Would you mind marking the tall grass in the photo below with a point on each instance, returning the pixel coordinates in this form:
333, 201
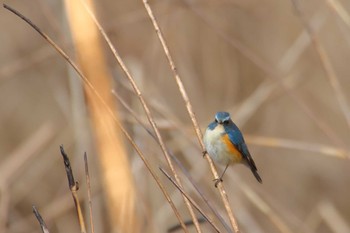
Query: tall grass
279, 67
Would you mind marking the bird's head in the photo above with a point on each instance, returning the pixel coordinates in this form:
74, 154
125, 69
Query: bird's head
222, 118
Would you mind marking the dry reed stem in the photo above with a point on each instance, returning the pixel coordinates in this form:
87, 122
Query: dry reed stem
183, 169
191, 113
40, 220
298, 145
88, 83
112, 155
156, 178
9, 69
146, 109
201, 194
26, 61
270, 142
87, 179
58, 207
77, 204
13, 67
326, 63
74, 187
190, 199
179, 164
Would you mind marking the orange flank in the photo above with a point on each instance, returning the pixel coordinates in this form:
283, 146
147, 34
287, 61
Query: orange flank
236, 156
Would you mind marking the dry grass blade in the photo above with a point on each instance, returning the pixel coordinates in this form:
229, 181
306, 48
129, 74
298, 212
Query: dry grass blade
201, 194
179, 164
156, 178
190, 199
191, 113
40, 220
326, 63
71, 181
87, 176
74, 187
284, 114
146, 109
58, 49
112, 155
88, 83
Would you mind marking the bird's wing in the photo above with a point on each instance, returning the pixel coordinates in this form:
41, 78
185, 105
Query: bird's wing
237, 140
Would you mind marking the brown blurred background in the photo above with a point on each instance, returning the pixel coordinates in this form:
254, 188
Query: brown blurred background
252, 58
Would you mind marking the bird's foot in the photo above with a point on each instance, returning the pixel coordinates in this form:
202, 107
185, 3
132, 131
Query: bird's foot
217, 181
204, 153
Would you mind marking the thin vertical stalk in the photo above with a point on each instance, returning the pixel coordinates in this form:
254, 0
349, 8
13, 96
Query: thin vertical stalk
189, 107
147, 111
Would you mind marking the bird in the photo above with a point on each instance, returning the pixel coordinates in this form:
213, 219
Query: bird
225, 144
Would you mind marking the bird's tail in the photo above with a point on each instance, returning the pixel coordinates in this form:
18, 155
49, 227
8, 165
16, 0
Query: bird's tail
257, 176
250, 163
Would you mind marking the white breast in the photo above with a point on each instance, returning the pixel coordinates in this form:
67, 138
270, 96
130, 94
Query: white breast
215, 147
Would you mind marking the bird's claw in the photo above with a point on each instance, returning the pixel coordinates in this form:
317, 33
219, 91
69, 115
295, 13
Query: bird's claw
204, 153
217, 181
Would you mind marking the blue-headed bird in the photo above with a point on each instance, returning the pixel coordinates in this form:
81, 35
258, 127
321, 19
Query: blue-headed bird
225, 144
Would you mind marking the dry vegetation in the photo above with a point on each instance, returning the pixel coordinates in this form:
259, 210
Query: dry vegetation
280, 67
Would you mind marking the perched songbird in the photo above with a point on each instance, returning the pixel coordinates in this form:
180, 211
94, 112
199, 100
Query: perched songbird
225, 144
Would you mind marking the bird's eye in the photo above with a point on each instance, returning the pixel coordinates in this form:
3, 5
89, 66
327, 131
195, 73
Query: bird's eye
225, 122
216, 121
